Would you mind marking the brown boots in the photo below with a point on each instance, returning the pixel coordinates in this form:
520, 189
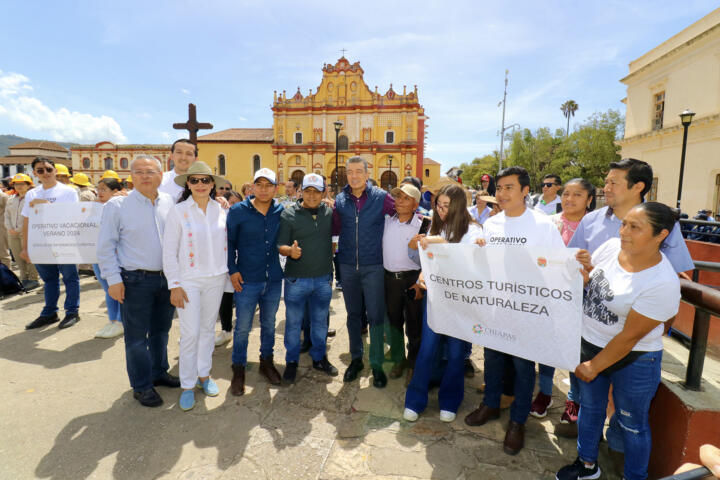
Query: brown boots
237, 385
268, 370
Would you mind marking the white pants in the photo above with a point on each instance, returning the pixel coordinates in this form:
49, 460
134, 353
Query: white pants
197, 327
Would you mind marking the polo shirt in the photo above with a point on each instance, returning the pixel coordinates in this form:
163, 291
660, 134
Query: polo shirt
314, 237
396, 237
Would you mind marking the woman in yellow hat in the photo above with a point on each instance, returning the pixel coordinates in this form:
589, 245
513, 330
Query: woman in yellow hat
110, 174
21, 183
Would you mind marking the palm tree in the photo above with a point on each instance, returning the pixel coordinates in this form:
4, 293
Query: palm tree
569, 108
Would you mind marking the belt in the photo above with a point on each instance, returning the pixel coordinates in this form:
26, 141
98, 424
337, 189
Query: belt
402, 275
146, 272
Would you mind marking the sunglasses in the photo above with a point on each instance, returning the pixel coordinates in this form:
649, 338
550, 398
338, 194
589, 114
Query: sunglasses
204, 180
549, 184
40, 171
223, 188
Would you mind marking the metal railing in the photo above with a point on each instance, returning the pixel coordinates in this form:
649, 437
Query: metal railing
712, 236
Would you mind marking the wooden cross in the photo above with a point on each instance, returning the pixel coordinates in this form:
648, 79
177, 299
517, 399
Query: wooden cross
192, 124
343, 52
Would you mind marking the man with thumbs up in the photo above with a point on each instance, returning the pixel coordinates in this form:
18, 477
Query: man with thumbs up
305, 238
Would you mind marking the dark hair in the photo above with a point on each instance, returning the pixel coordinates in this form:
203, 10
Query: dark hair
233, 193
183, 140
522, 174
491, 185
111, 183
412, 181
660, 216
588, 187
556, 178
635, 171
457, 221
295, 183
37, 160
187, 193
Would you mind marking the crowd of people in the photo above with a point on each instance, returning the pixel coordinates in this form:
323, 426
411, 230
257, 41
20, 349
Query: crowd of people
184, 241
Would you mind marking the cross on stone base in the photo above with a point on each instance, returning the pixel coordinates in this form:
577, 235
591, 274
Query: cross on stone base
192, 125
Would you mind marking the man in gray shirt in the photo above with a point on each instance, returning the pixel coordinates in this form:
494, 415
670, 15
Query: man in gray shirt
130, 257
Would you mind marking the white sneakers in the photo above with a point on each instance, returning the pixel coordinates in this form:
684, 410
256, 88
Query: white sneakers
223, 337
447, 416
111, 330
410, 415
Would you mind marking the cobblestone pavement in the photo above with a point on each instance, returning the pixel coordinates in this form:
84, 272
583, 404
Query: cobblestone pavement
68, 413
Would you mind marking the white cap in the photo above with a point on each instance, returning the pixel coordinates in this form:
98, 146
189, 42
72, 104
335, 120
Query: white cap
267, 174
313, 180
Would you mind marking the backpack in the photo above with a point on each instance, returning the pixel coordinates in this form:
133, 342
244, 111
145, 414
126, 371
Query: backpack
9, 282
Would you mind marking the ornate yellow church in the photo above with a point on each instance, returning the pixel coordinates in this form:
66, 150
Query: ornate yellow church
388, 130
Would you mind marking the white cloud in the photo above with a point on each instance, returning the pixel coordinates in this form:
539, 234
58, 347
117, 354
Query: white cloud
61, 124
185, 91
241, 118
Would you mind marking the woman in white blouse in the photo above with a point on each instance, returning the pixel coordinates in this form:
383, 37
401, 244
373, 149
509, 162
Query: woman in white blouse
195, 264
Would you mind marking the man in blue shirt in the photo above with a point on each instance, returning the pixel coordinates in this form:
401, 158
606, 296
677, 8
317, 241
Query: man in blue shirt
129, 252
256, 275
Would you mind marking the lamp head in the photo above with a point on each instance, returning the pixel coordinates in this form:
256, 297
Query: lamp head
338, 125
686, 117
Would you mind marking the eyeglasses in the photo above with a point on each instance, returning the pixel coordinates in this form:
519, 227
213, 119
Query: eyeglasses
443, 206
549, 184
195, 180
40, 171
223, 188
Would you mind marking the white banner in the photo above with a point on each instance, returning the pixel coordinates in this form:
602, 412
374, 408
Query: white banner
64, 232
525, 301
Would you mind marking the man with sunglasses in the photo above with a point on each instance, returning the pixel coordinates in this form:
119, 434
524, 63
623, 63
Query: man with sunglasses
549, 201
51, 191
223, 189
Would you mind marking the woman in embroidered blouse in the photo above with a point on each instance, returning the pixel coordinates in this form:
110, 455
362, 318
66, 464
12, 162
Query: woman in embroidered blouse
195, 264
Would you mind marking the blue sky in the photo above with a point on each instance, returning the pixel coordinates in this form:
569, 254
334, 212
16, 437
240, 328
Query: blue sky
87, 71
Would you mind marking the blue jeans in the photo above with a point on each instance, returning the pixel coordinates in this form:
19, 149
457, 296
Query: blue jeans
524, 383
147, 316
113, 306
50, 274
452, 385
267, 294
313, 294
545, 378
369, 282
634, 387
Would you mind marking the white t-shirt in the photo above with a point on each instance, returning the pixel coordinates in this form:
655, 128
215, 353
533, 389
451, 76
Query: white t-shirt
532, 228
474, 232
58, 194
547, 208
613, 291
169, 186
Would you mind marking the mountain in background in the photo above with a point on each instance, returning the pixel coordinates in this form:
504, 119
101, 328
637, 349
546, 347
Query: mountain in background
7, 141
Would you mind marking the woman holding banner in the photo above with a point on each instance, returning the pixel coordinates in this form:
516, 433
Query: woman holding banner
451, 224
195, 264
631, 290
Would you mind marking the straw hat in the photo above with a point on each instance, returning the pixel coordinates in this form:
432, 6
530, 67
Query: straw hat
81, 179
199, 168
21, 177
110, 174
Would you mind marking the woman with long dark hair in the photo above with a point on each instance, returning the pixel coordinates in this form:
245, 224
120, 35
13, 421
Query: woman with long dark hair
451, 224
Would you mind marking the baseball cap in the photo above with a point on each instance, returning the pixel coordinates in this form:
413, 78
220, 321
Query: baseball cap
313, 180
485, 178
267, 174
407, 189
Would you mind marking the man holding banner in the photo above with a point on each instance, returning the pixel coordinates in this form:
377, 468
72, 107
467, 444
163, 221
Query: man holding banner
515, 225
51, 191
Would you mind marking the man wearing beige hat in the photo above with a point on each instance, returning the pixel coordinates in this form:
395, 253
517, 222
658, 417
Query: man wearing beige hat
402, 296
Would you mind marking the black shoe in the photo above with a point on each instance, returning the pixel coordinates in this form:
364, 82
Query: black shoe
355, 367
69, 320
379, 378
468, 368
290, 373
167, 380
42, 320
306, 346
148, 398
30, 285
331, 332
578, 471
325, 366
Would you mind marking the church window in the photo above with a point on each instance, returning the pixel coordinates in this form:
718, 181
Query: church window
221, 164
256, 163
389, 136
427, 172
342, 142
86, 163
298, 138
108, 163
659, 111
124, 163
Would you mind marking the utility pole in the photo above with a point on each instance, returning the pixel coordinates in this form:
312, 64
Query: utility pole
502, 127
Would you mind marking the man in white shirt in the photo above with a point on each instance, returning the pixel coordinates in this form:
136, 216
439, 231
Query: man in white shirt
401, 274
549, 201
51, 191
183, 153
515, 225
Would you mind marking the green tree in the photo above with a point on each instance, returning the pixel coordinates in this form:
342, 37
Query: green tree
569, 108
473, 171
593, 146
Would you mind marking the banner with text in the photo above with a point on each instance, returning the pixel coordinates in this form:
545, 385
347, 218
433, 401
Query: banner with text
525, 301
64, 232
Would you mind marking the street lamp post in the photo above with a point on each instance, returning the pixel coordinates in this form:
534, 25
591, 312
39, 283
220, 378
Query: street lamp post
390, 157
686, 120
338, 125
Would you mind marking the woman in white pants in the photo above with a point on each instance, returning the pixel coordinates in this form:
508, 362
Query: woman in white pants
195, 264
